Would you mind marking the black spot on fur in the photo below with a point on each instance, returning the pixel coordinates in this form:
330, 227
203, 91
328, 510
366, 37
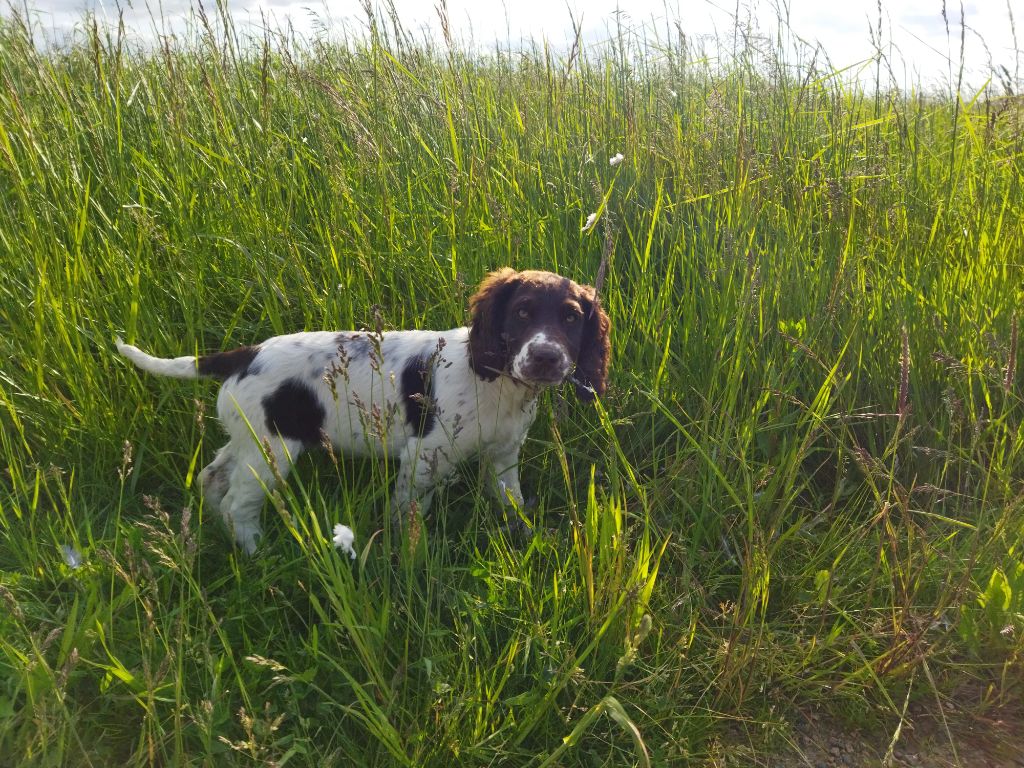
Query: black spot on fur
224, 365
294, 411
355, 344
418, 394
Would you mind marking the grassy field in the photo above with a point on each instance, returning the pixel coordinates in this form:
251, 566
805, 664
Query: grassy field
803, 491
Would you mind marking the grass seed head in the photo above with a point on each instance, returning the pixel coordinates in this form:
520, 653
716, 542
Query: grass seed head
904, 401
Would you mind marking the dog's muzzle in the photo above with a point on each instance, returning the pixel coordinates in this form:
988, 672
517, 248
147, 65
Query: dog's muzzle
542, 361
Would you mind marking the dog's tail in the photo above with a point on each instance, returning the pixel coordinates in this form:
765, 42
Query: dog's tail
220, 365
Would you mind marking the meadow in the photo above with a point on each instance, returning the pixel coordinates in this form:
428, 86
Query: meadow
803, 491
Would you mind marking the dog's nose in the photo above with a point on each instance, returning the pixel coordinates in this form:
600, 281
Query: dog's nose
546, 363
546, 356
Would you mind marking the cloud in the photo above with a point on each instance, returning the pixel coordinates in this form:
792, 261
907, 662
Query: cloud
913, 31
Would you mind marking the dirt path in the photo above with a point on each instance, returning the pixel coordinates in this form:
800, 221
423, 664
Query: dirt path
962, 739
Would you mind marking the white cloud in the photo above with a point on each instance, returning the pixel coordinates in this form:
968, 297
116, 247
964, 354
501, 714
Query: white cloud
914, 32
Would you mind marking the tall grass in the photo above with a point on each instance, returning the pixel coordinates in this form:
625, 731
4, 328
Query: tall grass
802, 490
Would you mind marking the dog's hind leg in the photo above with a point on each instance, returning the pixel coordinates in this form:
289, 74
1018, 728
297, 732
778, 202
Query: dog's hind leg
215, 478
255, 471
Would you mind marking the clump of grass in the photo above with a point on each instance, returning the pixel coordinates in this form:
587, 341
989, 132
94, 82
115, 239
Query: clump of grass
803, 489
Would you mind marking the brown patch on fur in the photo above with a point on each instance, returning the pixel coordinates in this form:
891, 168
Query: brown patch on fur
488, 352
592, 364
224, 365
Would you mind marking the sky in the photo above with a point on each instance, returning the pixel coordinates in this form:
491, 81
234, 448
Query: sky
920, 49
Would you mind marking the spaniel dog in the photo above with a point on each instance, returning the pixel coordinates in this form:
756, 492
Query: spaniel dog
427, 398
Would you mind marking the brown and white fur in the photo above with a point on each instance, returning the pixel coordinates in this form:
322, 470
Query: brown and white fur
428, 398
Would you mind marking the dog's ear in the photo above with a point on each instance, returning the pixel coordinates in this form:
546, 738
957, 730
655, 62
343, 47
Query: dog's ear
488, 351
595, 347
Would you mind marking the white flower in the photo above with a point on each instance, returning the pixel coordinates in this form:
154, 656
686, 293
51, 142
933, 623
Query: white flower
672, 93
344, 538
618, 158
71, 556
590, 222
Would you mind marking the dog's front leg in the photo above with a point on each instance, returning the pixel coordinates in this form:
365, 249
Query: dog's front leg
504, 483
504, 476
421, 469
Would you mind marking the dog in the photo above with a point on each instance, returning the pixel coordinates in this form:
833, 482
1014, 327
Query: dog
428, 398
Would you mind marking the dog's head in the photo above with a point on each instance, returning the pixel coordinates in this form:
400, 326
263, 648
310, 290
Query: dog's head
539, 327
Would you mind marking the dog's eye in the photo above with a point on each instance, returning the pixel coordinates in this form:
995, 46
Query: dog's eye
571, 317
523, 313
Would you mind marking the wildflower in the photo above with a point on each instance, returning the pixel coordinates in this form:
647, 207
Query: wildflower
590, 222
71, 556
614, 161
343, 539
672, 93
